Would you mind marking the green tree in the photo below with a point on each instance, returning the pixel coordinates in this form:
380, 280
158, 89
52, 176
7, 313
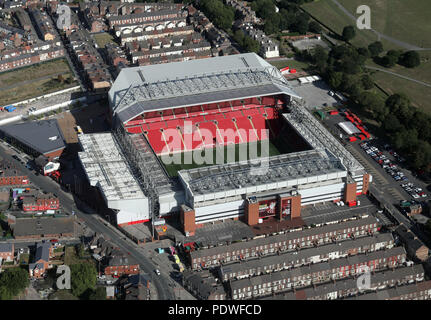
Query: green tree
98, 294
335, 79
315, 27
367, 82
83, 278
349, 33
12, 282
375, 48
410, 59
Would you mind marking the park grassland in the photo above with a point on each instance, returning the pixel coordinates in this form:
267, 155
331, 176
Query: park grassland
401, 19
35, 80
327, 13
405, 20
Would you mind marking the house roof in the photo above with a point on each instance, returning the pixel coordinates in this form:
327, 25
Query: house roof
41, 225
42, 136
42, 251
6, 247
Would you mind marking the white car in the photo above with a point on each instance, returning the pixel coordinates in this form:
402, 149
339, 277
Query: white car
415, 195
157, 272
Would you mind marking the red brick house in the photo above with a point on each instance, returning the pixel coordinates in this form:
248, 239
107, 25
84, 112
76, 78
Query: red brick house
12, 177
118, 264
7, 251
40, 202
44, 251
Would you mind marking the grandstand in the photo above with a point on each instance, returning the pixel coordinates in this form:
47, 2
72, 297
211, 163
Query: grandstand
179, 110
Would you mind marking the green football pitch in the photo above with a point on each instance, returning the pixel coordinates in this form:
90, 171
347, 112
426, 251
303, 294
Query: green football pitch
220, 155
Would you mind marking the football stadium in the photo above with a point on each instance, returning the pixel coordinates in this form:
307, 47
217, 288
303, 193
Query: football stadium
215, 139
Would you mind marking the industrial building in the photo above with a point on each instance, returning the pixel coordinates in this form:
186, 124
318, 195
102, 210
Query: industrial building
36, 137
162, 110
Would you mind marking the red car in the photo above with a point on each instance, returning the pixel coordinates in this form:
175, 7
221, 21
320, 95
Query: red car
54, 240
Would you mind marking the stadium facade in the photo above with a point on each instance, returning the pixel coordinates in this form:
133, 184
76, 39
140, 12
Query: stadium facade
175, 108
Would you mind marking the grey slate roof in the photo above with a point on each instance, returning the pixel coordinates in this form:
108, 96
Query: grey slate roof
42, 251
36, 135
6, 247
40, 226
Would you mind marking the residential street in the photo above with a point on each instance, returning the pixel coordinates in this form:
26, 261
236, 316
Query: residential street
96, 223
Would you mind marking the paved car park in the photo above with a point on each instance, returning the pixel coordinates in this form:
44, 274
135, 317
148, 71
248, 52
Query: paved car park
383, 164
316, 94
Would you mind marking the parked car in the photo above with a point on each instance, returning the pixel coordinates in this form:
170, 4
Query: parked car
157, 272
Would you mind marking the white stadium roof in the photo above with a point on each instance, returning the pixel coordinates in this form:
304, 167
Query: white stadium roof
187, 83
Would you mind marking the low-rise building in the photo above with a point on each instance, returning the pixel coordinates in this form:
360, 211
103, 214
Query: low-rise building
43, 228
40, 202
203, 286
119, 264
268, 48
283, 242
414, 291
11, 176
44, 252
7, 251
415, 247
272, 283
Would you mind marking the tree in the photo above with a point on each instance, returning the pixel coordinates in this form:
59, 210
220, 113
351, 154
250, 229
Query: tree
12, 282
375, 48
83, 278
410, 59
315, 27
98, 294
335, 79
392, 124
364, 52
367, 82
399, 104
349, 33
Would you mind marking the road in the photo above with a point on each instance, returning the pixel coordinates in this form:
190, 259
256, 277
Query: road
399, 76
380, 35
96, 223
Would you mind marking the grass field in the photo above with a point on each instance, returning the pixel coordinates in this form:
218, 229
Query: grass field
293, 64
332, 17
401, 19
103, 38
404, 20
216, 153
34, 89
36, 80
33, 72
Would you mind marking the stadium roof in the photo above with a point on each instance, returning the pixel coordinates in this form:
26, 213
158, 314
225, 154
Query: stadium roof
187, 83
41, 136
106, 167
277, 171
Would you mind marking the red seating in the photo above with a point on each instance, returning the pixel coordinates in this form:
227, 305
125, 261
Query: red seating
254, 122
134, 129
157, 141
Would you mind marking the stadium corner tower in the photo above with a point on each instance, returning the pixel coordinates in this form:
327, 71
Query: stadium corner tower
186, 101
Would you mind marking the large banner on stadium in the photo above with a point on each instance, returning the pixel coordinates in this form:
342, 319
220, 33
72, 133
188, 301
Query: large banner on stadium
285, 207
267, 208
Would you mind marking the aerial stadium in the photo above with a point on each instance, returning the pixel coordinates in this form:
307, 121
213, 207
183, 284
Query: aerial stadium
216, 106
